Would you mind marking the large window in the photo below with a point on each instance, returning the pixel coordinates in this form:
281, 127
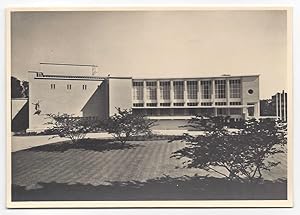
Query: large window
192, 89
235, 88
138, 90
206, 89
178, 89
165, 90
151, 90
220, 87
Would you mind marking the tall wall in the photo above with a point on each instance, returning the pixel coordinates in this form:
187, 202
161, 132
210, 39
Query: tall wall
58, 100
250, 92
120, 94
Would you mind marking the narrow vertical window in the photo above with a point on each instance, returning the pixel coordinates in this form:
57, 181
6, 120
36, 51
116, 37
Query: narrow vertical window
164, 90
206, 89
151, 90
178, 89
138, 90
84, 87
192, 89
235, 88
220, 89
52, 86
69, 87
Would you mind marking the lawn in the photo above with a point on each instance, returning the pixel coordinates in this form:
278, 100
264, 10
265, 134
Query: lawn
142, 170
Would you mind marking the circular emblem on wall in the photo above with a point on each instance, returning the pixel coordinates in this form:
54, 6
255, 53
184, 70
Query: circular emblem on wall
250, 91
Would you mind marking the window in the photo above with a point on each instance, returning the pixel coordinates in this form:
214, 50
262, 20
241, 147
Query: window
151, 104
235, 103
235, 88
138, 104
178, 89
250, 109
138, 90
192, 104
192, 89
164, 90
220, 89
69, 87
235, 111
52, 86
165, 104
221, 111
84, 87
179, 104
206, 89
151, 90
220, 103
206, 103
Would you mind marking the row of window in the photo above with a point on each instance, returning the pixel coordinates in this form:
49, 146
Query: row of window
191, 88
69, 86
167, 104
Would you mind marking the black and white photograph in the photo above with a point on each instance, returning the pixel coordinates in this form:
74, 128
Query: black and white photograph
152, 107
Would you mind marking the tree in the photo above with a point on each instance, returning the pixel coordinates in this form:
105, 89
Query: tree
240, 155
19, 89
125, 124
73, 128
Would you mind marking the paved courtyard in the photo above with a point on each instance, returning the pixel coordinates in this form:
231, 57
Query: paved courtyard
101, 163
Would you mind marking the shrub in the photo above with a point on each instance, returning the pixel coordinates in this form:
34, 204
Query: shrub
243, 154
68, 126
125, 124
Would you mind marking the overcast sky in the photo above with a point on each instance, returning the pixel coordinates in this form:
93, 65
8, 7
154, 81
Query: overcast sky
156, 44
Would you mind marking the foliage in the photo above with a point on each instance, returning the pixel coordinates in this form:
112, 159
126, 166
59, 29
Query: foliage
68, 126
19, 89
125, 124
242, 154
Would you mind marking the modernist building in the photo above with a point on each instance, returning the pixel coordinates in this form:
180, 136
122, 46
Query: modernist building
164, 99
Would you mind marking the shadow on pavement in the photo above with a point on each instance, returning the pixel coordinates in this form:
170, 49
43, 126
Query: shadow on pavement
99, 145
165, 188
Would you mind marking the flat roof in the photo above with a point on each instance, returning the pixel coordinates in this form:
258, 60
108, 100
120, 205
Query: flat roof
203, 77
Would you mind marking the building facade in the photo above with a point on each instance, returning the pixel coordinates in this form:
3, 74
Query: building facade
162, 99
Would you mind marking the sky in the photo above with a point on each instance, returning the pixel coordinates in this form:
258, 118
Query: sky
158, 44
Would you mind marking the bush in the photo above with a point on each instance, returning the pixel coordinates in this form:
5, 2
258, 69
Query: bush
125, 124
243, 154
68, 126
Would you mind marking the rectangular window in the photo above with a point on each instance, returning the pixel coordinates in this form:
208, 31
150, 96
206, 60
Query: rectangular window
52, 86
220, 89
221, 111
151, 104
192, 104
220, 103
235, 88
165, 104
235, 103
206, 103
206, 89
138, 104
69, 87
151, 90
192, 89
178, 89
235, 111
84, 87
164, 90
138, 90
179, 104
250, 109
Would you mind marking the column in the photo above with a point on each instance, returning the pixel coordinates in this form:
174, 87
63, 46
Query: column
227, 91
199, 92
213, 92
185, 96
145, 93
171, 93
157, 93
280, 106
